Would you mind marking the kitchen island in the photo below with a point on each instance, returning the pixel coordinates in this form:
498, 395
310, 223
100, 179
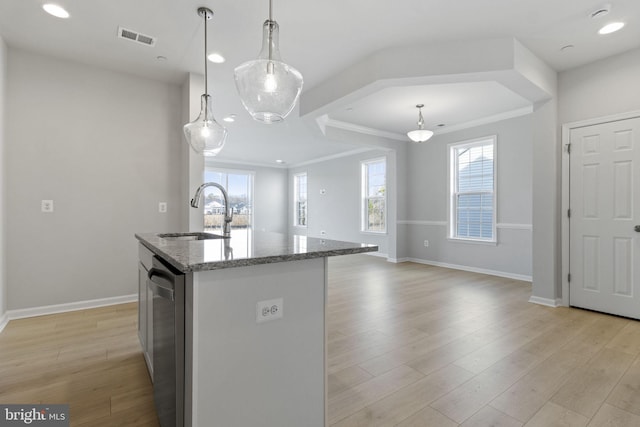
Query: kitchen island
251, 310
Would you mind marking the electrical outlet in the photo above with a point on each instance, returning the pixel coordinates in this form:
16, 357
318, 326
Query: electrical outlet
46, 206
269, 310
426, 243
162, 207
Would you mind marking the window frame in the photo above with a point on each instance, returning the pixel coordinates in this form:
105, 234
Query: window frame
296, 195
453, 193
250, 173
364, 198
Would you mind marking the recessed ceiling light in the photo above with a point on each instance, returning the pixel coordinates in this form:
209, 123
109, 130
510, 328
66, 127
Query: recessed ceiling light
567, 47
611, 28
230, 118
280, 161
55, 10
216, 58
161, 58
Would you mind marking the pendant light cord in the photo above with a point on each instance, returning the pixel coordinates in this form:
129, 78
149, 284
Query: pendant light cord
206, 91
271, 25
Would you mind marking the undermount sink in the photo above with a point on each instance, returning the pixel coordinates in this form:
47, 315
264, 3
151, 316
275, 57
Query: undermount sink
190, 236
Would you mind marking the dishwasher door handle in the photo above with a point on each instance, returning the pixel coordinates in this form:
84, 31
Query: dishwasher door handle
160, 289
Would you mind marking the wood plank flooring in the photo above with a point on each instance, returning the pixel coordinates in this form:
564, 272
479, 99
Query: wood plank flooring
409, 345
89, 359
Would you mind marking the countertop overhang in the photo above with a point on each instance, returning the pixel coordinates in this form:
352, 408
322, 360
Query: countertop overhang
245, 248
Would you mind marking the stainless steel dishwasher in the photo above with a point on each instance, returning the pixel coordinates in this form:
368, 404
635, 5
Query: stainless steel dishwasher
167, 286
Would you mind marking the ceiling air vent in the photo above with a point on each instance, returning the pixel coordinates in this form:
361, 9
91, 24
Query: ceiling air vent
135, 36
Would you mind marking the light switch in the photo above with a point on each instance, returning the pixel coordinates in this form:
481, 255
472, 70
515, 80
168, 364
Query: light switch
162, 207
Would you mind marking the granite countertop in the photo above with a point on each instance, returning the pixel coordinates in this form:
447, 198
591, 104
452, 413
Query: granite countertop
245, 248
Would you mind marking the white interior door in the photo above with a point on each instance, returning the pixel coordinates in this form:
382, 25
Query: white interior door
605, 208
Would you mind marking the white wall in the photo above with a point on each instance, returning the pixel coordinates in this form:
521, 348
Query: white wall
601, 88
546, 204
427, 203
269, 194
192, 163
3, 169
104, 147
337, 212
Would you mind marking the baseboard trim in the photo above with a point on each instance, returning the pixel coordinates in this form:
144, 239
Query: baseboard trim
504, 274
378, 254
397, 260
546, 301
71, 306
4, 320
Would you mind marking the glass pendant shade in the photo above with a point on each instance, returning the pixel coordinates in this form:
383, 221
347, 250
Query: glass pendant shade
268, 87
204, 134
420, 134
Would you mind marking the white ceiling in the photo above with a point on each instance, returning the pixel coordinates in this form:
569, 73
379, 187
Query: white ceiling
321, 39
458, 103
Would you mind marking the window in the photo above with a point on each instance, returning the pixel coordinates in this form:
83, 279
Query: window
472, 190
300, 199
239, 186
374, 196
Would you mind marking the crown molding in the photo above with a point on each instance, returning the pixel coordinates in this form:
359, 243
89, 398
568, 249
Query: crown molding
338, 124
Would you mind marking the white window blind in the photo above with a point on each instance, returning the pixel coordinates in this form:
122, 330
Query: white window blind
472, 190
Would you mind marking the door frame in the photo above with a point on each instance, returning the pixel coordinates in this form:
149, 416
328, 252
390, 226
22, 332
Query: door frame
564, 207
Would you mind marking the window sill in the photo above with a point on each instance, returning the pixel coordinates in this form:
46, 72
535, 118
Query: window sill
375, 233
473, 241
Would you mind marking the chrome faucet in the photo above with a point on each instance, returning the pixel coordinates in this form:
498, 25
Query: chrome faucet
228, 213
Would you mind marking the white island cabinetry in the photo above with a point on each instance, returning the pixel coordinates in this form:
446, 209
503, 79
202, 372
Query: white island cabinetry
249, 373
254, 327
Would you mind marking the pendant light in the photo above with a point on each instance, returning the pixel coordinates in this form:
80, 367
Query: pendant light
268, 87
205, 135
420, 134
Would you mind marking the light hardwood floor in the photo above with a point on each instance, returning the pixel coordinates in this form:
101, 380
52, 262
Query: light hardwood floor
409, 345
89, 359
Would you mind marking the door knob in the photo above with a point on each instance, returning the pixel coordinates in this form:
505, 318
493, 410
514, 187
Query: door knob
637, 228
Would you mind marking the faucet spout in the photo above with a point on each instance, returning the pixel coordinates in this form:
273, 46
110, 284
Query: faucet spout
228, 213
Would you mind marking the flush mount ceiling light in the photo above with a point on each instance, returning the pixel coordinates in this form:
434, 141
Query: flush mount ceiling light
204, 134
420, 134
268, 87
611, 28
55, 10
